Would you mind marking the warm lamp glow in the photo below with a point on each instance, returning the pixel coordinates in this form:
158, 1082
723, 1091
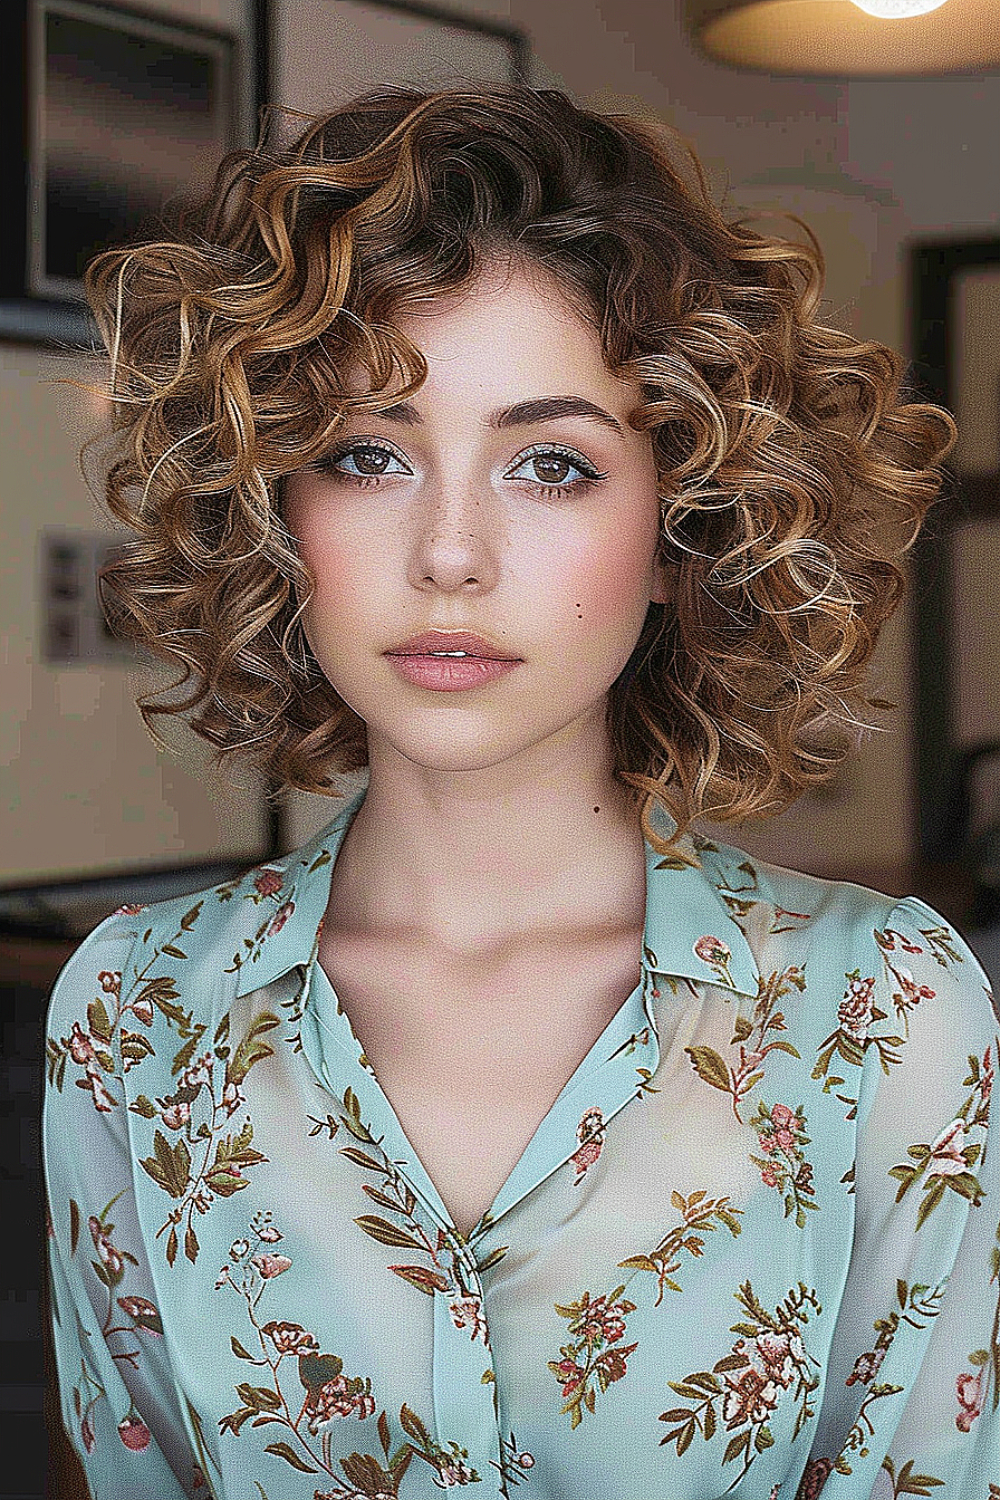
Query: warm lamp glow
836, 38
897, 10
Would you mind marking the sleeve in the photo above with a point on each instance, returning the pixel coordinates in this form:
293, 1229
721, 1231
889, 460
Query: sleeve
912, 1398
119, 1403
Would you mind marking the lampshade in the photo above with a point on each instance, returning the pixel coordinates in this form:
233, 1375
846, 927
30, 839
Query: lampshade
836, 38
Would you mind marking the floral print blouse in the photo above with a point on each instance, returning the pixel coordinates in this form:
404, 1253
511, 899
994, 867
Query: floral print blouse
752, 1250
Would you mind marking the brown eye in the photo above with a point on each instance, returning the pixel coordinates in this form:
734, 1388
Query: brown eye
366, 461
553, 469
369, 460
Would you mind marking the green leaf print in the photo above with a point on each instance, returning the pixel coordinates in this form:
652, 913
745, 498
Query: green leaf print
908, 1483
753, 1037
288, 1453
170, 1166
945, 1165
766, 1367
331, 1395
709, 1067
597, 1356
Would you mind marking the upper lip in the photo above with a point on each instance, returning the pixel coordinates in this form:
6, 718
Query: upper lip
451, 640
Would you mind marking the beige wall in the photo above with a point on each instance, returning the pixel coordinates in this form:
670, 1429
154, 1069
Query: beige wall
872, 165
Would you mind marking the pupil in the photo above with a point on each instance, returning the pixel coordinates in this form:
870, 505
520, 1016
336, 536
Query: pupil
370, 460
552, 470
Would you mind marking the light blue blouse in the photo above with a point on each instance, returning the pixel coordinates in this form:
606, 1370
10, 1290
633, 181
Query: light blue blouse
752, 1250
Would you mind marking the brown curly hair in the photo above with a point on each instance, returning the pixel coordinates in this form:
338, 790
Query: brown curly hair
792, 472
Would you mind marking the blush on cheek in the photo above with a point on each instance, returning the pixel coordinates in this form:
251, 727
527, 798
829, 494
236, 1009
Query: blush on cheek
609, 586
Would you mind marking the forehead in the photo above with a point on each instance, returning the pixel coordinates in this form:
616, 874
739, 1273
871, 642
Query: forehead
515, 329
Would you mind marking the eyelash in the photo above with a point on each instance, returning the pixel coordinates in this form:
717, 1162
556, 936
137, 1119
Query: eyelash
590, 475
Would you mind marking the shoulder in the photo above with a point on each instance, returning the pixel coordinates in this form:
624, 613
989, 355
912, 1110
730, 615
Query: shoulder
201, 932
900, 944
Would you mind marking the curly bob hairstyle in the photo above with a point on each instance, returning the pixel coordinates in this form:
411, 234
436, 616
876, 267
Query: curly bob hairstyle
793, 474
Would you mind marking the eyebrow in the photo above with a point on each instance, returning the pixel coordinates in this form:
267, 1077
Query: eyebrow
538, 409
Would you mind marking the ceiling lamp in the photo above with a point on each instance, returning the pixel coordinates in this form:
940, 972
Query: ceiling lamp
849, 38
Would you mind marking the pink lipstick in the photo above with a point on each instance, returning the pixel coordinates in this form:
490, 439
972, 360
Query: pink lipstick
450, 661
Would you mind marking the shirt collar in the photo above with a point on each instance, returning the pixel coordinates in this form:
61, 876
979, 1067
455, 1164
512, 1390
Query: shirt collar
689, 931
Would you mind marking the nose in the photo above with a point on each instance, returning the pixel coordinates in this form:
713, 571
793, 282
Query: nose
456, 545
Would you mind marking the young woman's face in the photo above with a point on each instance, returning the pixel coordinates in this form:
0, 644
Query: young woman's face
510, 499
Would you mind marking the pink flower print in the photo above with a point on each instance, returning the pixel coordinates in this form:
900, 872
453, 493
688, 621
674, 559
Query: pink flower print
525, 1460
232, 1098
589, 1133
890, 935
946, 1159
142, 1009
603, 1323
134, 1433
80, 1046
279, 919
111, 1259
269, 882
969, 1391
784, 1139
777, 1355
455, 1473
769, 1175
782, 1117
571, 1375
110, 981
866, 1367
144, 1313
176, 1116
128, 910
914, 992
238, 1249
199, 1072
714, 952
467, 1312
271, 1265
855, 1011
751, 1397
87, 1432
103, 1101
290, 1338
269, 1234
334, 1399
817, 1472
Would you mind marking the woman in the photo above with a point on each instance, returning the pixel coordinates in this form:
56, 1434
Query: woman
510, 1135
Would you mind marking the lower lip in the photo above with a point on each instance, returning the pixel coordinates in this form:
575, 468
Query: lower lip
449, 674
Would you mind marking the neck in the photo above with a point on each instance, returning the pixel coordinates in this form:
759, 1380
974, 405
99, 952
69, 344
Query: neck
477, 861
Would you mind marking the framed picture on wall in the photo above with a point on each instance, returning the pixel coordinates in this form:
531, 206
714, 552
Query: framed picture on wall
956, 310
328, 51
122, 116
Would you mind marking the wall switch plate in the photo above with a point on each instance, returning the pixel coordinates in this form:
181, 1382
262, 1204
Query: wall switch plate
74, 627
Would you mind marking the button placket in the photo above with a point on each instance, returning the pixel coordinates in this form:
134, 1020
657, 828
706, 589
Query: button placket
464, 1380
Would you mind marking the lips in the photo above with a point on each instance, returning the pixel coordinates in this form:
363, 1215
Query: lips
432, 642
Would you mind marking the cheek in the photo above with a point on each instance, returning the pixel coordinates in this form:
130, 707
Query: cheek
609, 584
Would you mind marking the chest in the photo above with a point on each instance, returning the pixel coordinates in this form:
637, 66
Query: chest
472, 1057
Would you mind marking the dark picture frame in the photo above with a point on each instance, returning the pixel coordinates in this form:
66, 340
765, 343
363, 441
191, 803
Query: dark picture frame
944, 769
408, 42
119, 109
